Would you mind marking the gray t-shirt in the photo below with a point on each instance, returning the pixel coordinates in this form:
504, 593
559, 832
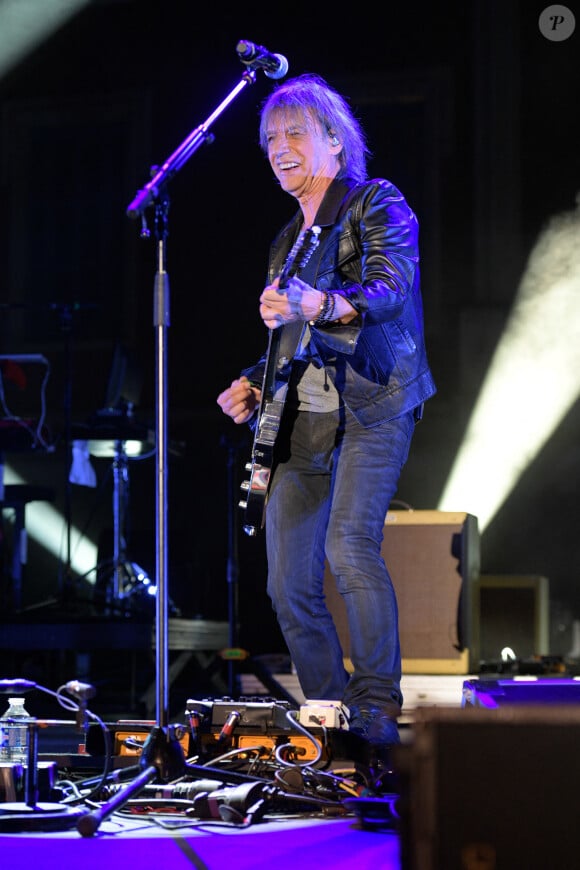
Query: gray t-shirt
310, 387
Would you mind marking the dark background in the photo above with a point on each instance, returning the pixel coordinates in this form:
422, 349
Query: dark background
469, 110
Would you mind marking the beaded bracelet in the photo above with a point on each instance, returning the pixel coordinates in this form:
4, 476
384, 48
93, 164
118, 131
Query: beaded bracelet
326, 310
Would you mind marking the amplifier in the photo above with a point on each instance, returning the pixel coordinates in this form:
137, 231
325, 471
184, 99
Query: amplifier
512, 611
433, 559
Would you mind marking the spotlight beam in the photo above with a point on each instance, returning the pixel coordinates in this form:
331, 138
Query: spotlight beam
25, 25
46, 525
533, 380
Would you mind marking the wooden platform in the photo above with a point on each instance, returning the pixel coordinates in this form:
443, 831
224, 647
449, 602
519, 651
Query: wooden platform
419, 690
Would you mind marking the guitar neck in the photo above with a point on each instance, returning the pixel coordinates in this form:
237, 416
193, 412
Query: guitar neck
283, 343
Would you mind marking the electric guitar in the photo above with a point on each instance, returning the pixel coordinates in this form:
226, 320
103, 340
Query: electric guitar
282, 345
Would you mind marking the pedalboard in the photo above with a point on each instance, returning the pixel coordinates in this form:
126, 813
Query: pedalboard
260, 727
264, 725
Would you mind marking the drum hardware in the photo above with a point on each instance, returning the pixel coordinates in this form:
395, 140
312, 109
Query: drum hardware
129, 586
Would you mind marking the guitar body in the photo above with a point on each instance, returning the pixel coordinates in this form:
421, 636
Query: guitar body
282, 345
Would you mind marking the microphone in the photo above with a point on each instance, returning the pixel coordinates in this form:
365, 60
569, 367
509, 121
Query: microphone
84, 691
275, 66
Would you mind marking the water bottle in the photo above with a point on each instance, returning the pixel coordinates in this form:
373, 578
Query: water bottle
14, 737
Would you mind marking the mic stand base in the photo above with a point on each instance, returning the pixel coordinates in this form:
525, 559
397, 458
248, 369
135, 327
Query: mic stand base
18, 817
163, 750
162, 758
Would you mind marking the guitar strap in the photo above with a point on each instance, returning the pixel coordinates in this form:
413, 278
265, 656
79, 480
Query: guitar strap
292, 334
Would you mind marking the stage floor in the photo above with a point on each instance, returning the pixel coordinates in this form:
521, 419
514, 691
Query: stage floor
293, 827
472, 777
480, 786
273, 844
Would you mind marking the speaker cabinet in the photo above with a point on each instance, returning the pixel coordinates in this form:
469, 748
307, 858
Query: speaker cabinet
494, 789
510, 611
433, 560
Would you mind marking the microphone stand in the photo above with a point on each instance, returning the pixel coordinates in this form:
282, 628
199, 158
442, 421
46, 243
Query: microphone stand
233, 449
155, 193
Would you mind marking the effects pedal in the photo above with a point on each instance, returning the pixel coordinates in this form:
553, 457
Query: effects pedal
259, 715
324, 714
128, 738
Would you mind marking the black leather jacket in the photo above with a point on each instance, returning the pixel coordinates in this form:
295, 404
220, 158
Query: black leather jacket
369, 254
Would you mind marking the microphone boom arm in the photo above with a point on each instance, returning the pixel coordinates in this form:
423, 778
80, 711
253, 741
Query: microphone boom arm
151, 192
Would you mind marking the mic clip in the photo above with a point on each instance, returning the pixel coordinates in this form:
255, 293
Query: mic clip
256, 57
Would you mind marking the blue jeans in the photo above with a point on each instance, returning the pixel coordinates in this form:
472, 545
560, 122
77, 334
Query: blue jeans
330, 491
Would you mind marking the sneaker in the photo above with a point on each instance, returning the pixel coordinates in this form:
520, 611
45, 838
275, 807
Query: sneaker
374, 726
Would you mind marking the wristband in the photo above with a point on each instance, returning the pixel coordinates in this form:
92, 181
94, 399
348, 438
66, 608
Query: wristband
326, 310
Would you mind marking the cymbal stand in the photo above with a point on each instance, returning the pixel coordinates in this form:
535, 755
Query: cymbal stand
120, 502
